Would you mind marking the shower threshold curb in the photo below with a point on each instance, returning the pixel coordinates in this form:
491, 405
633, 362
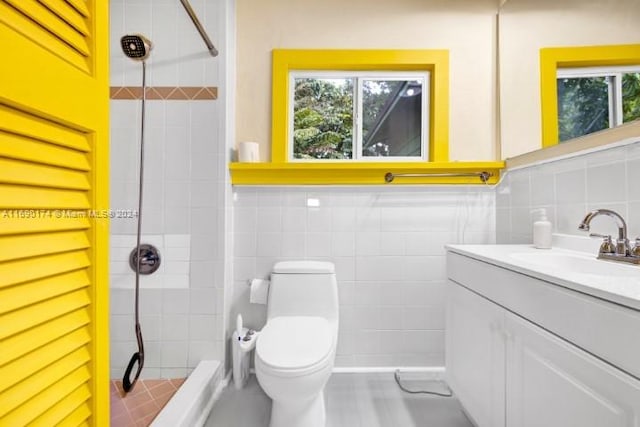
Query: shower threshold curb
191, 404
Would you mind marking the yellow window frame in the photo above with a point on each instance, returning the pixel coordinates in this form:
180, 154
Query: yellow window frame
553, 58
435, 61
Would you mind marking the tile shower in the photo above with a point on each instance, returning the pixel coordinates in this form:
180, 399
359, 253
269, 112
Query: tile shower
183, 212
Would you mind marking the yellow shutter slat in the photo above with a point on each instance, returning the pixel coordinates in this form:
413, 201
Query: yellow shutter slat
14, 297
19, 345
27, 125
72, 419
16, 247
19, 197
19, 321
33, 31
19, 369
80, 6
52, 23
18, 147
28, 225
15, 272
61, 417
48, 398
23, 173
39, 381
68, 14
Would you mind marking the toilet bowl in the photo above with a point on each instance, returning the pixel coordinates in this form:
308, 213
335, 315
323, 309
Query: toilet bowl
295, 351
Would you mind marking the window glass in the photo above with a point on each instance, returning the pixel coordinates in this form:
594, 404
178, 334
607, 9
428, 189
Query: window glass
583, 106
358, 116
392, 118
630, 96
323, 118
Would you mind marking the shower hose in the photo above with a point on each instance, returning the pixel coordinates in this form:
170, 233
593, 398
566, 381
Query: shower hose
138, 357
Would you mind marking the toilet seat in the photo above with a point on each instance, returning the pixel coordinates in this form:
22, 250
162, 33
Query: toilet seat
295, 345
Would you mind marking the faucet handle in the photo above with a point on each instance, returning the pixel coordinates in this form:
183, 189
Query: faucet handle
607, 246
635, 251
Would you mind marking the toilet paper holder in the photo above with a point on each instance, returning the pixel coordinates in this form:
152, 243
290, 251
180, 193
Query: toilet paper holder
251, 280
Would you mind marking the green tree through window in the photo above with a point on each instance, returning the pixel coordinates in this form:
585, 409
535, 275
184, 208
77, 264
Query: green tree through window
323, 119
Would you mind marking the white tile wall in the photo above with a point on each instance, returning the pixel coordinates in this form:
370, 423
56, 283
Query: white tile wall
174, 266
185, 170
568, 189
388, 247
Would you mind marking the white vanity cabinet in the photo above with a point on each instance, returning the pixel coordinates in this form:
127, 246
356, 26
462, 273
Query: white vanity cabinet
475, 355
509, 371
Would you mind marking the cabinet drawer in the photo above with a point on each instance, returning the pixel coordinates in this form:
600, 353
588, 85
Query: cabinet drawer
607, 330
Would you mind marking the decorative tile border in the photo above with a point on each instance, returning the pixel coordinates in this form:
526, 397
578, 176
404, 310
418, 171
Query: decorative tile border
195, 93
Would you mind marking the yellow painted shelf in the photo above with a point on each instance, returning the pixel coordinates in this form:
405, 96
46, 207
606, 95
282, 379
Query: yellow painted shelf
372, 173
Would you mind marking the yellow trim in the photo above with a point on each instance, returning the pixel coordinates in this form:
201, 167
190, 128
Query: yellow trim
568, 57
332, 173
100, 193
434, 61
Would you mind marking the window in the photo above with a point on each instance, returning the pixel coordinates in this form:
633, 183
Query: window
357, 107
603, 93
358, 116
592, 99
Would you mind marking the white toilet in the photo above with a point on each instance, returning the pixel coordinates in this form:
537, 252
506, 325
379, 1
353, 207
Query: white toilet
296, 349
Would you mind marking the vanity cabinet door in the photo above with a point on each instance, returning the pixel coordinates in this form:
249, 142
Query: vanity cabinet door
475, 351
551, 382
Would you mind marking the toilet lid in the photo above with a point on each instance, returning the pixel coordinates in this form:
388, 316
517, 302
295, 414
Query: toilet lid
294, 342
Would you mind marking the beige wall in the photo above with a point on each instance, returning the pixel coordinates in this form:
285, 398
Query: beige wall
465, 27
528, 25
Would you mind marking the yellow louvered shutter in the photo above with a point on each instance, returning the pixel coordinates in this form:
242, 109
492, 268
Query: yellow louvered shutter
53, 175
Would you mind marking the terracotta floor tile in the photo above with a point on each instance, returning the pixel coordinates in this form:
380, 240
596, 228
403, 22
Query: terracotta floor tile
117, 406
152, 383
177, 382
141, 405
143, 410
144, 422
162, 399
160, 389
123, 420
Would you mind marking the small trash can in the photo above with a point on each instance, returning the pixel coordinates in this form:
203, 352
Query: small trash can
241, 349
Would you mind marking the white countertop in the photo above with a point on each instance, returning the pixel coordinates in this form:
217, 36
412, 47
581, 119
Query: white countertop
611, 281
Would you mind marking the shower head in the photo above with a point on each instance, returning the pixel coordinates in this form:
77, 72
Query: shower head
136, 46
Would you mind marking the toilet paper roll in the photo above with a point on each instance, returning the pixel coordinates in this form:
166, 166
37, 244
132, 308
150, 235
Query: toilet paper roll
248, 152
259, 291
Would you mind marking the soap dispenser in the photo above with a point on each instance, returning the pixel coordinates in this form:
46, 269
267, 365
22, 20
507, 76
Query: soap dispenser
542, 230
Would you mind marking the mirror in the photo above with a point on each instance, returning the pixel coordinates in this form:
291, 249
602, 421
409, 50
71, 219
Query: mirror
526, 26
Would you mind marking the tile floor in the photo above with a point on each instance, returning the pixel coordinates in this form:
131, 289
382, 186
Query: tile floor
352, 400
141, 405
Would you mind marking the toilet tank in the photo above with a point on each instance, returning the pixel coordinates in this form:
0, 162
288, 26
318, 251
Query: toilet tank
303, 288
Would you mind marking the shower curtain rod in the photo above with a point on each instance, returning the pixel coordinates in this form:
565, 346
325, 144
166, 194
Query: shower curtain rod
199, 27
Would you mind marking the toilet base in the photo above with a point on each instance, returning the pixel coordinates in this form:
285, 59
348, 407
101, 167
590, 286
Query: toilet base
304, 413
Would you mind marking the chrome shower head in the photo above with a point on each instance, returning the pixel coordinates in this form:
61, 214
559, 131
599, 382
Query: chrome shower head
136, 46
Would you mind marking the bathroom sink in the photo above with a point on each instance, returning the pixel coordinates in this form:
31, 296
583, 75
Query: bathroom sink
575, 263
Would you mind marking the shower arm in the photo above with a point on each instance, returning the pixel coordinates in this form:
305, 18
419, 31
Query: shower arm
199, 27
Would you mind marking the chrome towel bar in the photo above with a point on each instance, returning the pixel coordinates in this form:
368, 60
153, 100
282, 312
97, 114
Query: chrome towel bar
484, 175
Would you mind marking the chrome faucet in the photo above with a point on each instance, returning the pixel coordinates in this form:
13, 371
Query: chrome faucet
622, 250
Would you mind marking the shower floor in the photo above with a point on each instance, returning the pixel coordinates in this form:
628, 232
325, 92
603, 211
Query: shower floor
140, 406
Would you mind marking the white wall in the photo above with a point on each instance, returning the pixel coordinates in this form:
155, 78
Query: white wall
464, 27
185, 170
526, 26
568, 189
388, 248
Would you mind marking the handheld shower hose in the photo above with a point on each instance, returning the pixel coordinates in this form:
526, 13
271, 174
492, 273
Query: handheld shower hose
138, 48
